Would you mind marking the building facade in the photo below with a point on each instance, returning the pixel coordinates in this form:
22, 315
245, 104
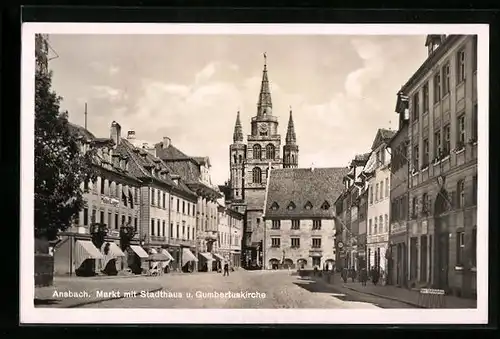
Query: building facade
250, 162
378, 175
300, 217
443, 165
230, 233
398, 268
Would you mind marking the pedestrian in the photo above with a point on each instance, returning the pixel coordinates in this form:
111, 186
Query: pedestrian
226, 269
353, 274
364, 276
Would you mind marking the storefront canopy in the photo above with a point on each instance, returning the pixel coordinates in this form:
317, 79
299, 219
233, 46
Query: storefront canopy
207, 255
218, 257
187, 256
158, 257
114, 250
164, 251
139, 251
85, 249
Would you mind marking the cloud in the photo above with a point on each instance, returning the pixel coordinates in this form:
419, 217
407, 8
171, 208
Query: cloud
113, 70
109, 93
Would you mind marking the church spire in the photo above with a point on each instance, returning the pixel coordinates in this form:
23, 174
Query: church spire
264, 106
238, 130
290, 133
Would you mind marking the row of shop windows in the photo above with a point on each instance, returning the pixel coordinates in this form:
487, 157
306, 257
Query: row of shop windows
113, 220
295, 242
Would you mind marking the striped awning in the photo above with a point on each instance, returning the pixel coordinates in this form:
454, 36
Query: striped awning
164, 251
207, 255
114, 250
218, 256
187, 256
85, 249
139, 251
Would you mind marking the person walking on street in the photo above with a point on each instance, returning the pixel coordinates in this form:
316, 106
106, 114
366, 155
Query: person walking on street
364, 276
226, 269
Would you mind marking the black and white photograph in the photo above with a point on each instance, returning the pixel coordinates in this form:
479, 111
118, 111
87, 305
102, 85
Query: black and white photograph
237, 173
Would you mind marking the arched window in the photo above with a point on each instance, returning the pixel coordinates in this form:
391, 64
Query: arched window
293, 159
270, 154
257, 152
240, 159
234, 158
257, 175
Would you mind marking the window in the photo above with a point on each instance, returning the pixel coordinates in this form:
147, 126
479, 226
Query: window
116, 221
158, 227
110, 219
474, 123
103, 185
159, 198
240, 158
308, 205
375, 225
152, 196
270, 154
325, 206
437, 87
101, 216
257, 175
163, 201
416, 106
446, 79
446, 135
474, 248
295, 224
437, 144
183, 229
275, 206
370, 229
163, 230
152, 230
171, 230
183, 207
85, 216
316, 224
414, 207
276, 224
295, 242
425, 160
460, 66
381, 190
381, 224
425, 93
474, 189
123, 220
387, 187
376, 192
370, 189
177, 231
415, 158
275, 242
257, 152
425, 204
189, 208
178, 205
460, 248
316, 243
135, 223
461, 132
386, 227
291, 206
461, 193
316, 261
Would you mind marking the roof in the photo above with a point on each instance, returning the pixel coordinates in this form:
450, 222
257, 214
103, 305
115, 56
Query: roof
171, 153
383, 135
79, 130
303, 186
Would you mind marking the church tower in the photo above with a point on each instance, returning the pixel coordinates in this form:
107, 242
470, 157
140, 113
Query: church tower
237, 152
291, 149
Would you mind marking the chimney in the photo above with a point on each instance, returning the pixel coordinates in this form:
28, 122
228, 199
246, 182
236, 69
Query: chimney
312, 167
166, 142
131, 135
115, 132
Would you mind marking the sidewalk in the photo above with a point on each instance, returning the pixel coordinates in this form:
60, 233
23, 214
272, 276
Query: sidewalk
70, 292
405, 295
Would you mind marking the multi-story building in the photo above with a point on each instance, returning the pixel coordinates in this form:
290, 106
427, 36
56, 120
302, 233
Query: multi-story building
230, 234
443, 165
195, 173
168, 208
398, 260
300, 217
378, 175
362, 202
250, 163
112, 200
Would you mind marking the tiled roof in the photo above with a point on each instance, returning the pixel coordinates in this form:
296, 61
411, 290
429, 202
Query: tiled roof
387, 133
362, 157
79, 130
303, 186
170, 153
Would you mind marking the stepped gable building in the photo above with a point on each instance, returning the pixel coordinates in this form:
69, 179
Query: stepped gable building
300, 217
250, 162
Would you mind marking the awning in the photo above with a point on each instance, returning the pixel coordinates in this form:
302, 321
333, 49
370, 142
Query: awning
85, 249
207, 255
152, 251
139, 251
164, 251
187, 256
218, 256
158, 257
315, 255
114, 250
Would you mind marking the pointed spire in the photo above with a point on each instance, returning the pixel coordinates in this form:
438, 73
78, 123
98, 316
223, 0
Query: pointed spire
290, 133
238, 130
265, 105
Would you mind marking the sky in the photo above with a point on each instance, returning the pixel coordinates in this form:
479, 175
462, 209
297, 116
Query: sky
341, 89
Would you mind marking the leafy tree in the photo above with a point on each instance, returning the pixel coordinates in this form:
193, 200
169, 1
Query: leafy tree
60, 166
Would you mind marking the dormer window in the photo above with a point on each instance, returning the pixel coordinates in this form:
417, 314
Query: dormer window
291, 206
308, 205
325, 206
275, 206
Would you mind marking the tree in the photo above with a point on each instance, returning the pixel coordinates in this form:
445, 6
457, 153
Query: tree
60, 166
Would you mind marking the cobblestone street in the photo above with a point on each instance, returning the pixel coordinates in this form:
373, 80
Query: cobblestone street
281, 289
